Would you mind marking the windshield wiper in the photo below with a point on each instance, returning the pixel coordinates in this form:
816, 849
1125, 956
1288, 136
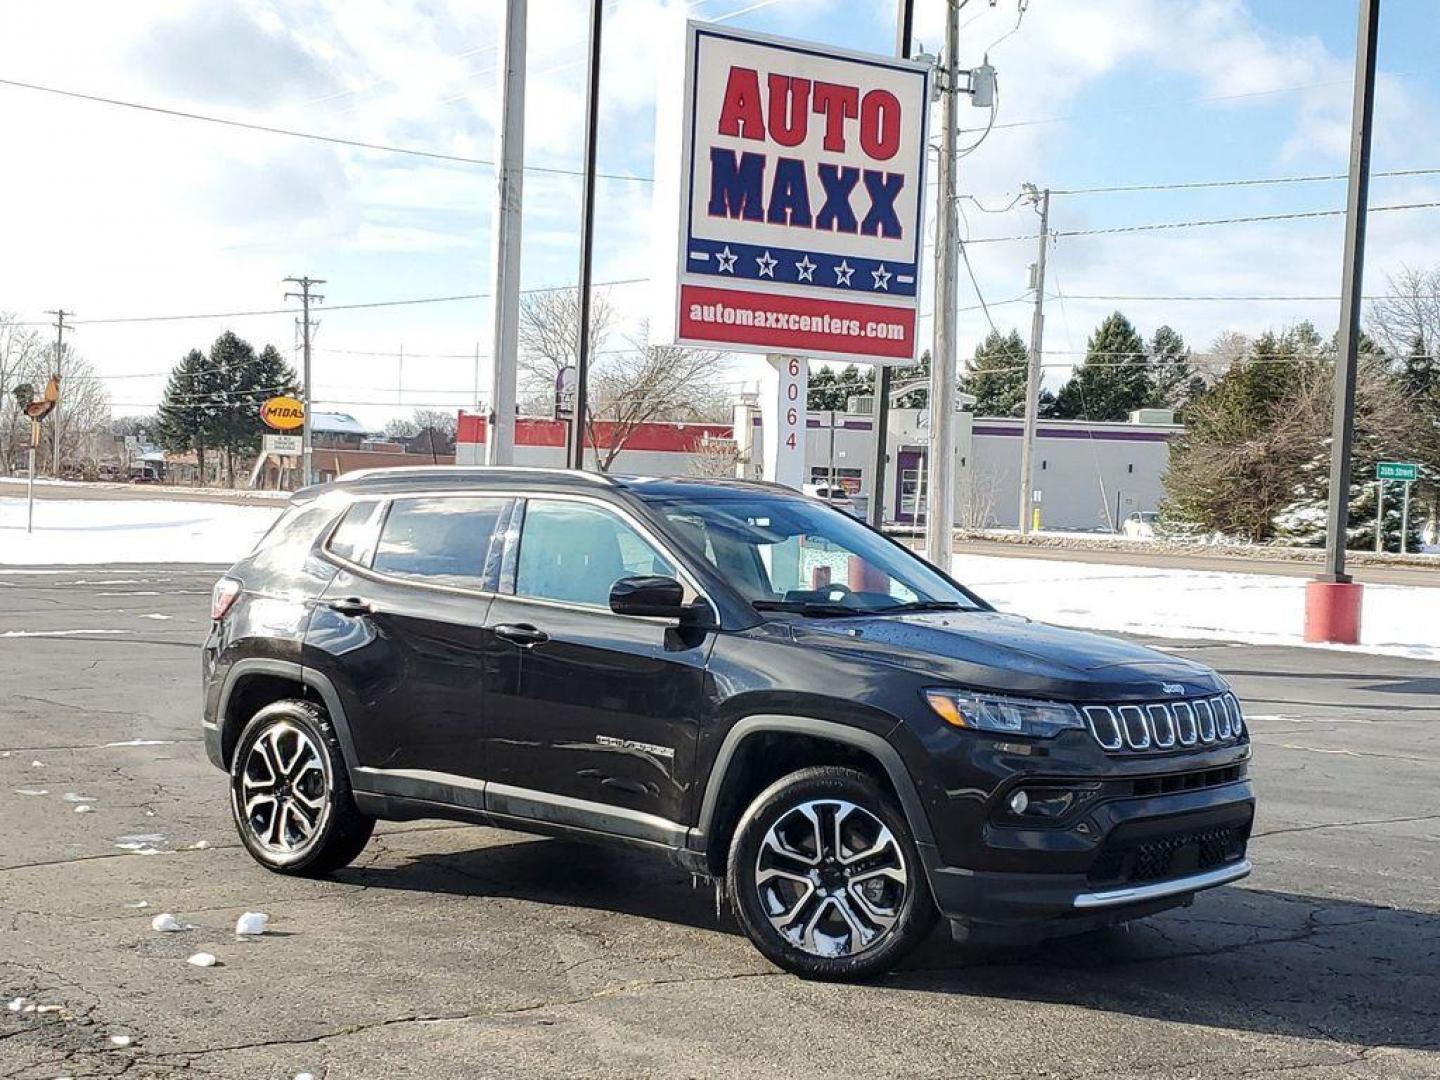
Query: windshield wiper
922, 605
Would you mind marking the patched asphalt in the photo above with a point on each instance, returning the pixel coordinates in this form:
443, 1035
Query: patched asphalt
453, 951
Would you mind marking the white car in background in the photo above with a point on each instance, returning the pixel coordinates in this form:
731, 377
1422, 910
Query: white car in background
1141, 525
833, 495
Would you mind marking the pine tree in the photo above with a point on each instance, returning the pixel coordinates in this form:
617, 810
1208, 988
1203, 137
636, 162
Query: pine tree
1175, 380
245, 380
830, 390
997, 375
1113, 381
185, 416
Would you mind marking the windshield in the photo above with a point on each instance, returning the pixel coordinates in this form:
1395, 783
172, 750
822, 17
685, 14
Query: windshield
785, 554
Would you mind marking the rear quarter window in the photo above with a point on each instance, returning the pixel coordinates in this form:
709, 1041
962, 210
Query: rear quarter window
354, 538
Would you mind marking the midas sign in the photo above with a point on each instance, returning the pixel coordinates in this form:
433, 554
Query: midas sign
801, 175
283, 413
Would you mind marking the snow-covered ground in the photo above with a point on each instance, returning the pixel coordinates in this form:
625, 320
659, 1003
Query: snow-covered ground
1265, 609
72, 531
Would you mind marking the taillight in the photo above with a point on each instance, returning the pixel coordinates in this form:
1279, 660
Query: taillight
223, 596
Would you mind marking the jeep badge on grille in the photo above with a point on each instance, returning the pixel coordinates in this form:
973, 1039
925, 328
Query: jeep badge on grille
1172, 688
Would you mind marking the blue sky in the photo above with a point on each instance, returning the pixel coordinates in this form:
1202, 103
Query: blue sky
114, 212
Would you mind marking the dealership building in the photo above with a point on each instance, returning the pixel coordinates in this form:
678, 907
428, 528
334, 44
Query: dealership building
1089, 476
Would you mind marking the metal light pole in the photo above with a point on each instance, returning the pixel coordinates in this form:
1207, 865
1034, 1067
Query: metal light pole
880, 428
1332, 609
1032, 379
587, 243
505, 231
940, 504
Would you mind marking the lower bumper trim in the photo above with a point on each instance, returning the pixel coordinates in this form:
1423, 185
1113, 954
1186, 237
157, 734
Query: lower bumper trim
1140, 893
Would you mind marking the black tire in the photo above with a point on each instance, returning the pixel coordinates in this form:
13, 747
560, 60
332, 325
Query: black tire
338, 832
845, 954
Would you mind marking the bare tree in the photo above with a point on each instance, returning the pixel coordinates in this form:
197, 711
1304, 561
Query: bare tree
714, 458
1409, 313
19, 347
648, 383
549, 332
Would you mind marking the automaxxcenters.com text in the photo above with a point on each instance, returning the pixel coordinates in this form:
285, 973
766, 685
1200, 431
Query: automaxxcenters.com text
826, 325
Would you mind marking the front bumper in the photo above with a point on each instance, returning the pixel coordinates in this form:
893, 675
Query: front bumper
1136, 857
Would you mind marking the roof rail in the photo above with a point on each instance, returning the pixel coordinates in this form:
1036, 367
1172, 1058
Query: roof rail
479, 470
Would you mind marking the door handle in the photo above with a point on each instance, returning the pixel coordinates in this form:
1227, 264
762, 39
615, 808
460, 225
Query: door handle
522, 634
351, 605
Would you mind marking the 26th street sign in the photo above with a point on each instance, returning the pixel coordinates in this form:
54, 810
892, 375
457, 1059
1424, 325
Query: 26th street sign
800, 184
1394, 470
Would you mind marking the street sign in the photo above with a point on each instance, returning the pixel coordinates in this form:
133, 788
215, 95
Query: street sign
798, 174
1394, 470
283, 413
283, 445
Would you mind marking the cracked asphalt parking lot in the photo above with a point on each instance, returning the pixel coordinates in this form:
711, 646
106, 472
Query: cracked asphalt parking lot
453, 951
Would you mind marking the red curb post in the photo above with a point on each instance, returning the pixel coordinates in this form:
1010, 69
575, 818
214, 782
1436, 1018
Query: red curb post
1332, 611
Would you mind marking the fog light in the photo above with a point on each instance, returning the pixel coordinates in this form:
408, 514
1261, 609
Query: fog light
1019, 802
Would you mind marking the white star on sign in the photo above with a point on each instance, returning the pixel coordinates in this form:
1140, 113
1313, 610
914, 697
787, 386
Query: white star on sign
767, 265
726, 258
882, 278
843, 272
806, 269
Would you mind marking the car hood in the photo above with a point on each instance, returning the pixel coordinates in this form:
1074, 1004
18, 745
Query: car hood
1011, 654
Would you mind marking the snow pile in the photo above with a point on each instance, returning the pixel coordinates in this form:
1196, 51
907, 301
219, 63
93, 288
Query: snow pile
251, 924
202, 959
167, 924
1261, 609
129, 530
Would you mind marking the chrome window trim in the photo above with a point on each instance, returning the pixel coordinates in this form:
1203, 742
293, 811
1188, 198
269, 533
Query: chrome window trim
1160, 708
1131, 740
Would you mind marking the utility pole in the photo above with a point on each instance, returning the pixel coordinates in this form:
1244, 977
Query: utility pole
58, 372
576, 441
505, 232
875, 510
940, 502
305, 296
1332, 601
1032, 379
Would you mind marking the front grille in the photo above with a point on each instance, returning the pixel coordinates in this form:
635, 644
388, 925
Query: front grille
1171, 856
1166, 725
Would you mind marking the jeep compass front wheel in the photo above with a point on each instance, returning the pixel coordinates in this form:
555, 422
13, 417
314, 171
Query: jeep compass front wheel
290, 792
826, 878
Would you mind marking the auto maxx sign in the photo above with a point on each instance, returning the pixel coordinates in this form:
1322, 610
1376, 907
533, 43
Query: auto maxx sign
800, 186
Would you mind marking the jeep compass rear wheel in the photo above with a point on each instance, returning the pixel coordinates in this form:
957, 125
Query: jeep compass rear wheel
826, 878
290, 792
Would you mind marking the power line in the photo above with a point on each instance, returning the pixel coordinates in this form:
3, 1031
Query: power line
117, 320
1254, 181
1202, 222
182, 114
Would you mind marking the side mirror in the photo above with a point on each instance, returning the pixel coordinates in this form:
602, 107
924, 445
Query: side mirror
657, 596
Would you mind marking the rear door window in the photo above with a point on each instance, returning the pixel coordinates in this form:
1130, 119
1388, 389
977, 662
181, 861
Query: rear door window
354, 538
440, 540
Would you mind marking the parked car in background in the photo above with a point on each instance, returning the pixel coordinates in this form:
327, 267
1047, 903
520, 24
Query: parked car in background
832, 495
1141, 525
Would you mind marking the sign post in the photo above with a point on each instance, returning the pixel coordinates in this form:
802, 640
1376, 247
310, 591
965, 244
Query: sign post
37, 409
1405, 473
798, 175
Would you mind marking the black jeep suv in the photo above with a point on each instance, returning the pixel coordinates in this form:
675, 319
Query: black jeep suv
752, 682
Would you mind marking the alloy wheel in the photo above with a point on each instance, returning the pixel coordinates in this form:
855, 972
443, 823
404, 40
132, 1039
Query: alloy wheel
831, 878
284, 790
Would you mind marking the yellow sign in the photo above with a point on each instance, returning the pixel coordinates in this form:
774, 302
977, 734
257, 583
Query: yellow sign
283, 413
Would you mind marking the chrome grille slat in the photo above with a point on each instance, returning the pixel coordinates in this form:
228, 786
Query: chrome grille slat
1162, 723
1185, 723
1165, 725
1205, 716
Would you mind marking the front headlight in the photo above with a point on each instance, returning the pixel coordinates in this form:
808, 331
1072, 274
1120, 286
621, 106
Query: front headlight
1003, 715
